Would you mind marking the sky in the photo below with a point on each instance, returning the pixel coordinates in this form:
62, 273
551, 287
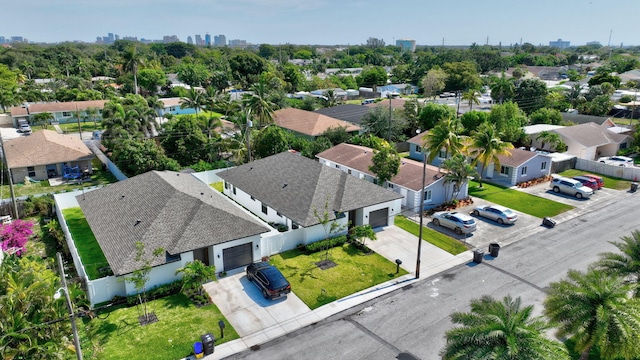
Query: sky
328, 22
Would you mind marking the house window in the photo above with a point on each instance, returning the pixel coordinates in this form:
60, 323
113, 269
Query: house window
623, 145
172, 258
337, 166
543, 166
264, 209
504, 170
66, 114
252, 198
524, 170
227, 185
32, 171
418, 148
442, 154
234, 190
349, 171
294, 226
427, 195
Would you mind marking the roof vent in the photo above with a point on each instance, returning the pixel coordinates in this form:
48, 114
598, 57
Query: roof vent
122, 197
201, 193
137, 222
284, 185
403, 163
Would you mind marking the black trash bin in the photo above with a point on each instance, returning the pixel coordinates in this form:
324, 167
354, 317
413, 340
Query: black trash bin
634, 186
208, 343
477, 256
494, 249
548, 222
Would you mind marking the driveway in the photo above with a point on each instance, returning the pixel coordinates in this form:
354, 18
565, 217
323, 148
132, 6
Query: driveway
242, 304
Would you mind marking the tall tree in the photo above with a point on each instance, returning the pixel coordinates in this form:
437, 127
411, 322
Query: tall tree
259, 104
444, 136
502, 88
531, 95
595, 309
625, 263
194, 99
500, 330
459, 170
131, 62
485, 145
386, 164
472, 97
434, 82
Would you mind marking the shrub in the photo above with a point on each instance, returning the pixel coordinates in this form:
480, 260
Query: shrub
157, 292
326, 244
279, 227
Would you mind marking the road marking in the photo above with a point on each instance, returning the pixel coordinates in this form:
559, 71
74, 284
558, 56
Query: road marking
515, 277
404, 355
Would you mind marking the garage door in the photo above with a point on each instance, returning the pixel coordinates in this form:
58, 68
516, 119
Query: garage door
379, 218
237, 256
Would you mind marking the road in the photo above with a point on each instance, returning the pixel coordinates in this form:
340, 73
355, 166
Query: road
410, 323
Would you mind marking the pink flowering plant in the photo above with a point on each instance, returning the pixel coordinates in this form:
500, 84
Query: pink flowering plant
14, 236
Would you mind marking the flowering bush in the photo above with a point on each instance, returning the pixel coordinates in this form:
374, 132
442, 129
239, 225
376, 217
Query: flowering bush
14, 236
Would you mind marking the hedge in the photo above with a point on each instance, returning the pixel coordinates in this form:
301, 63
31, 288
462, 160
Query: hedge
327, 243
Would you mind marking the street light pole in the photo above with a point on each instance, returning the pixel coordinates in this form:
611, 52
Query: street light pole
424, 175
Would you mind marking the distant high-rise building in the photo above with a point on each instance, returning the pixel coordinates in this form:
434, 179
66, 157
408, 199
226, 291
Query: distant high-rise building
237, 43
207, 40
117, 37
130, 38
18, 39
593, 43
560, 44
220, 40
3, 40
170, 39
199, 40
189, 40
407, 45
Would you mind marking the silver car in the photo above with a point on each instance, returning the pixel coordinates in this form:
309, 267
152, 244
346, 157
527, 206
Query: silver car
458, 222
497, 213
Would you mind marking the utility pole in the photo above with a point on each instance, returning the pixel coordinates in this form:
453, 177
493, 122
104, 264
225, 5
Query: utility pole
6, 166
390, 114
72, 315
78, 116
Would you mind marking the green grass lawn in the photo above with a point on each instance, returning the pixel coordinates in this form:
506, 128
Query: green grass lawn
90, 253
354, 272
116, 333
517, 200
217, 185
99, 177
436, 238
609, 182
72, 127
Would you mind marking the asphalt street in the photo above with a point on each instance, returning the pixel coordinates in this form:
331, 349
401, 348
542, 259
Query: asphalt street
410, 323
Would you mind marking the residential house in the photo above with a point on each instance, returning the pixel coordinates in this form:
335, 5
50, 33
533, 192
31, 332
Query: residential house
416, 150
518, 166
295, 191
171, 211
46, 154
173, 106
308, 123
63, 112
352, 113
355, 160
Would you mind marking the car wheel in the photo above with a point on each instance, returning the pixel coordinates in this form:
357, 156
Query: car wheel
475, 212
436, 222
458, 231
556, 189
264, 293
578, 195
500, 221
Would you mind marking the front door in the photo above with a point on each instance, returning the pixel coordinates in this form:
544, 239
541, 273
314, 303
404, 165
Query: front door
202, 255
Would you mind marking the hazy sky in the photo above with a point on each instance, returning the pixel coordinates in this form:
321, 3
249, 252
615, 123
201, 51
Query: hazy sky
327, 22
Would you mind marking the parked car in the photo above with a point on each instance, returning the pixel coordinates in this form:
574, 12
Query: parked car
570, 187
458, 222
617, 160
268, 279
587, 181
597, 178
497, 213
25, 129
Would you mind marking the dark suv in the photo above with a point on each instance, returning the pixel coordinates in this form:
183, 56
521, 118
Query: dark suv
268, 279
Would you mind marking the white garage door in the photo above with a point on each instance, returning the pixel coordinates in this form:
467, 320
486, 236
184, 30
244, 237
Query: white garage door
379, 218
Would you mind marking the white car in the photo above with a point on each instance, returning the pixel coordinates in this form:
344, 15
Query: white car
497, 213
458, 222
570, 187
617, 160
25, 129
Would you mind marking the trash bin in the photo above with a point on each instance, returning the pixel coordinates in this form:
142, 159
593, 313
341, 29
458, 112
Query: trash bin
197, 350
494, 249
548, 222
477, 256
208, 343
634, 186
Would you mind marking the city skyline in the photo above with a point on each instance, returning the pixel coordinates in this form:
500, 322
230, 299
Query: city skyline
324, 22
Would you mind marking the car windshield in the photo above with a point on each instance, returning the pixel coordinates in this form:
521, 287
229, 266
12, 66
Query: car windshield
275, 277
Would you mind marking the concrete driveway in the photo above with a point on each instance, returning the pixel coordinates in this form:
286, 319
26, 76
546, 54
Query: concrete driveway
241, 302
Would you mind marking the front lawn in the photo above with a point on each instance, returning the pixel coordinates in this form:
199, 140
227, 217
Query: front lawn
518, 200
355, 271
116, 333
92, 257
436, 238
609, 182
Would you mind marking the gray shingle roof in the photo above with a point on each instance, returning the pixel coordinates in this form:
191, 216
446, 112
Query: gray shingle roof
352, 113
295, 186
590, 134
166, 209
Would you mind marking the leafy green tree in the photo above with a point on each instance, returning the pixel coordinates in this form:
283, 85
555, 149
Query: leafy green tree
270, 140
472, 119
43, 118
140, 277
193, 74
293, 77
625, 263
372, 76
246, 67
328, 218
434, 82
386, 164
605, 78
361, 233
500, 330
462, 75
546, 116
431, 114
377, 122
151, 79
135, 157
194, 274
530, 95
502, 88
485, 145
509, 121
184, 139
337, 135
596, 310
411, 111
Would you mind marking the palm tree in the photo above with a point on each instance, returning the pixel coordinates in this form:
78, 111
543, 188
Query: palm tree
472, 96
596, 309
459, 170
625, 264
485, 146
131, 60
502, 88
259, 104
194, 274
554, 140
92, 114
27, 68
444, 136
194, 99
43, 118
331, 99
500, 330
